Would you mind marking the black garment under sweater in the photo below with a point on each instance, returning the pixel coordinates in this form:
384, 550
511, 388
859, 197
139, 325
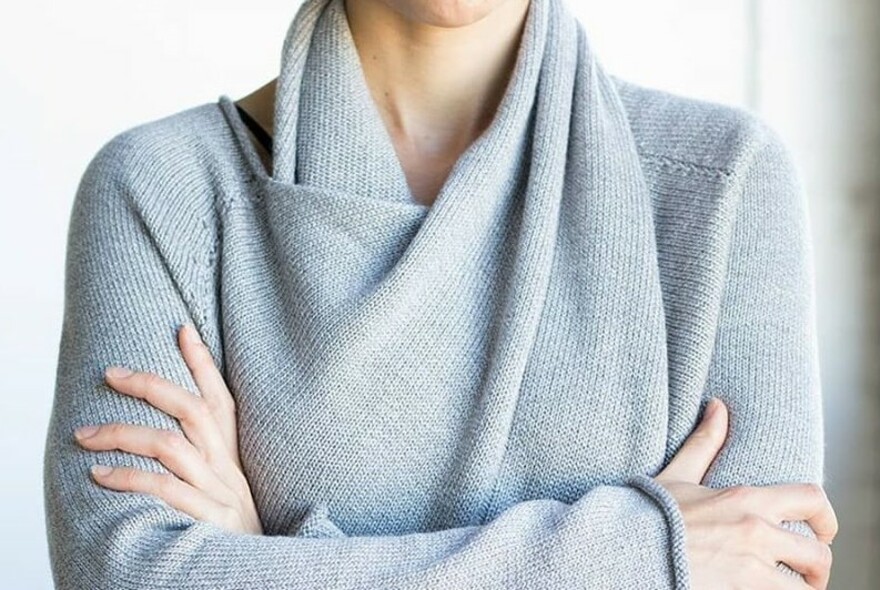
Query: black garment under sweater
262, 136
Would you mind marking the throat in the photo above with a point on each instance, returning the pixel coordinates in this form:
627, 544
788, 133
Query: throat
434, 96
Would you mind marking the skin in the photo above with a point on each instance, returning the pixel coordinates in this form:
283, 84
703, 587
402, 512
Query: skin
433, 111
733, 537
205, 478
259, 104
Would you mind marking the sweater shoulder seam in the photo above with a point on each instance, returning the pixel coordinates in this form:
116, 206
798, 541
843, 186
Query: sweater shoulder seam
683, 166
193, 281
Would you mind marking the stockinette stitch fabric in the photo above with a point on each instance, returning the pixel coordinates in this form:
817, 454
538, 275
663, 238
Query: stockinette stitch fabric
472, 394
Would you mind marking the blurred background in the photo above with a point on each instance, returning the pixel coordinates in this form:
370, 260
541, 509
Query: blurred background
74, 74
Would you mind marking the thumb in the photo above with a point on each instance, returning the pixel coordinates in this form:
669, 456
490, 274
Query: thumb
700, 448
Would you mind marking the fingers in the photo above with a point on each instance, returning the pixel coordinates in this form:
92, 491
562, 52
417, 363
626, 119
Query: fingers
171, 448
799, 501
810, 557
772, 578
190, 410
210, 382
699, 450
173, 491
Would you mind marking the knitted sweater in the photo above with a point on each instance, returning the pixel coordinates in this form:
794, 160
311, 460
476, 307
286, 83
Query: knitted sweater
474, 394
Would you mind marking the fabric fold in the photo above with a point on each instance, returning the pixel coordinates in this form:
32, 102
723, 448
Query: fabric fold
341, 141
461, 320
467, 395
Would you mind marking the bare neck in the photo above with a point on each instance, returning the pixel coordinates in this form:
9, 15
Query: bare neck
434, 85
436, 88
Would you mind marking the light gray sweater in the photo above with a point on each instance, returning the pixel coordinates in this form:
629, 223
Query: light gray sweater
469, 395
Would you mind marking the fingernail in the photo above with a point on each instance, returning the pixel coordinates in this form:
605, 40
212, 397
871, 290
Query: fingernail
85, 431
191, 334
117, 372
712, 407
100, 470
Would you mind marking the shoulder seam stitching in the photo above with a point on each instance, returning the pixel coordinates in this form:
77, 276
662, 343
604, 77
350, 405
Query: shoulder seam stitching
685, 165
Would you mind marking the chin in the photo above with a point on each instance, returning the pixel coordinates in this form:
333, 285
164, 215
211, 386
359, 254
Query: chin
444, 13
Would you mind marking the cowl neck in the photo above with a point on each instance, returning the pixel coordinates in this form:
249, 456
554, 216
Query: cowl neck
338, 120
532, 276
324, 113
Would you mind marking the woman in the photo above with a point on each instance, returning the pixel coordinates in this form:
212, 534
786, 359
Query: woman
464, 298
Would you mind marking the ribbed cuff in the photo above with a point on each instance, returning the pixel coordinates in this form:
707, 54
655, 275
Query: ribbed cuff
675, 523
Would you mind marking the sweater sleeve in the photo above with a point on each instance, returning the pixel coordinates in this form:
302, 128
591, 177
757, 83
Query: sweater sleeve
765, 360
122, 306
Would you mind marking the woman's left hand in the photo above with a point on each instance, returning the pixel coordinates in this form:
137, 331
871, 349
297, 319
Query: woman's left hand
206, 479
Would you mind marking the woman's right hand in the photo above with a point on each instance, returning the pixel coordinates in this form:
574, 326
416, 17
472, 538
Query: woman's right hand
732, 534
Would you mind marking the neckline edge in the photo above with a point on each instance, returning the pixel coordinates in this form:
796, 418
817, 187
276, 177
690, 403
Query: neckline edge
249, 150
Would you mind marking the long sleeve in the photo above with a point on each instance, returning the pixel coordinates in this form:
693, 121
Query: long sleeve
765, 360
123, 304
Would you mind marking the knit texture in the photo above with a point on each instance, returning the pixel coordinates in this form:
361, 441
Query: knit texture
474, 394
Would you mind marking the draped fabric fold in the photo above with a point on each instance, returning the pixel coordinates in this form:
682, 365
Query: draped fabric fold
471, 395
465, 320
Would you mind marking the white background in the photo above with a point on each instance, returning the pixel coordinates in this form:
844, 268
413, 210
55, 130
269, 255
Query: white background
74, 74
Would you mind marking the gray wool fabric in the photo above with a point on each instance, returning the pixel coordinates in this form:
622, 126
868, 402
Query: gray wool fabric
472, 394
